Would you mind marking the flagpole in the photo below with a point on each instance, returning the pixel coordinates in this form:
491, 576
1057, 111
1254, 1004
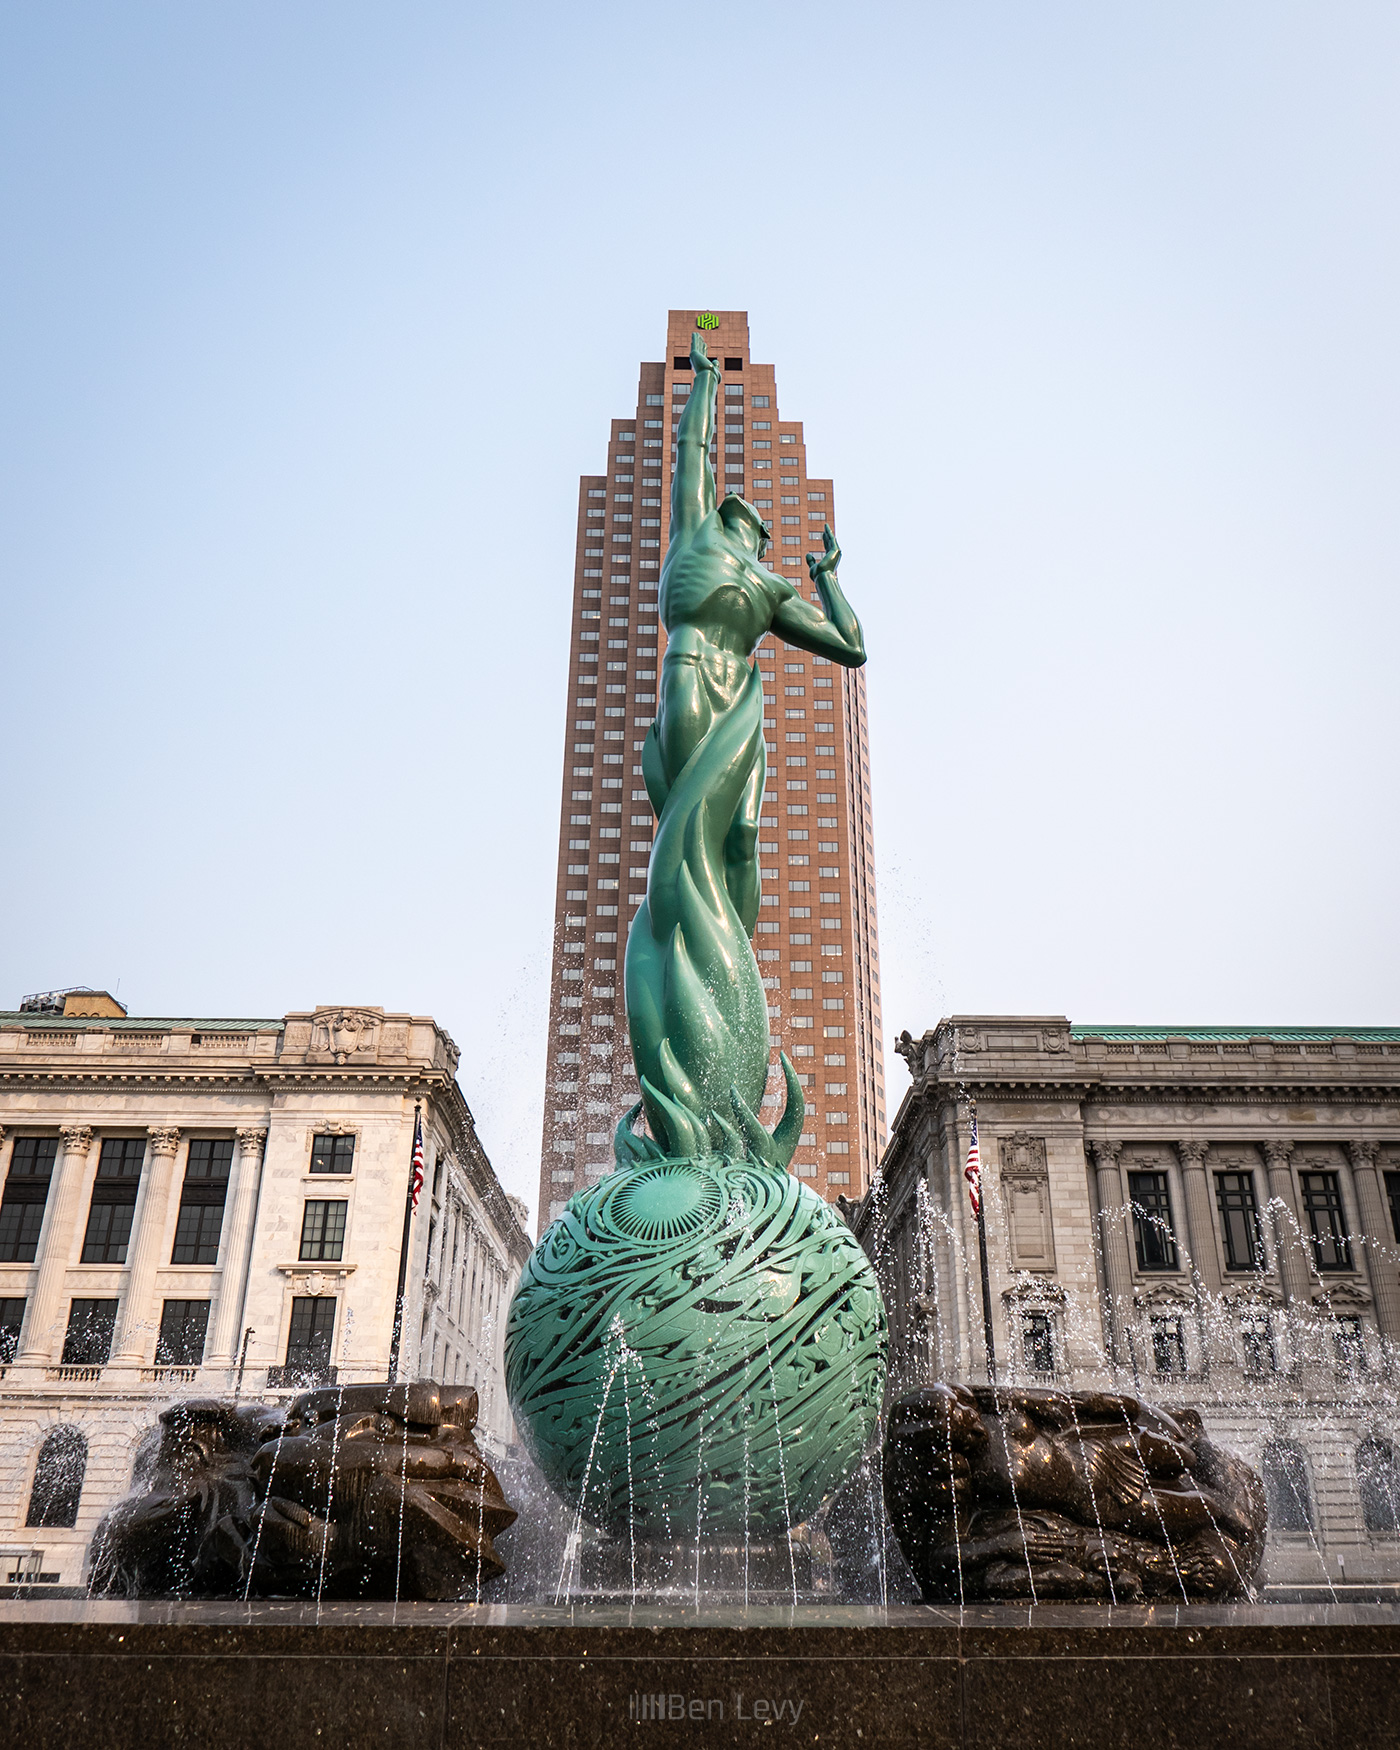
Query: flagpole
408, 1203
982, 1260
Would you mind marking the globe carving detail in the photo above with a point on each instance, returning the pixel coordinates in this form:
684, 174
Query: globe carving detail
696, 1344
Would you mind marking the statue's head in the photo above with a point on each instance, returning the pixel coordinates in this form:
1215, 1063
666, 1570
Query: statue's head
743, 522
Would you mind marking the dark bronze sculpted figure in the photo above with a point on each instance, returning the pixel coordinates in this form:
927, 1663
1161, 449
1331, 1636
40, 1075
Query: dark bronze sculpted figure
1058, 1494
362, 1491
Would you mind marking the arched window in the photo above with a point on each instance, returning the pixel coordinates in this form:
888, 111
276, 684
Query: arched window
1286, 1487
58, 1479
1380, 1487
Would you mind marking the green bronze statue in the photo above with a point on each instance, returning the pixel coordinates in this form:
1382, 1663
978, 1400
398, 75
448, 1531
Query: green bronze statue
696, 1008
699, 1341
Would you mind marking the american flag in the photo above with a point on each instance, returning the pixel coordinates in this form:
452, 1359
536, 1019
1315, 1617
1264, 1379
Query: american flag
417, 1156
972, 1172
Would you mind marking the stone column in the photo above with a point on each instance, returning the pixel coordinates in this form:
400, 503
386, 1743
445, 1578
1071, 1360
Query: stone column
236, 1250
1113, 1239
1374, 1241
1289, 1243
139, 1320
1200, 1223
41, 1335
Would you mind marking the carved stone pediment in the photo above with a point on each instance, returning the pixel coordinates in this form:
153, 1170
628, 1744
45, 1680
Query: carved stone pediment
1032, 1291
316, 1283
344, 1035
1257, 1297
1342, 1297
1162, 1296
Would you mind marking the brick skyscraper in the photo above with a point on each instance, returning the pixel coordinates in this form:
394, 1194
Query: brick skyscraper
816, 939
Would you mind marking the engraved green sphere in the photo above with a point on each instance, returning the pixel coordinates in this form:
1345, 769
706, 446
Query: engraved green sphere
696, 1343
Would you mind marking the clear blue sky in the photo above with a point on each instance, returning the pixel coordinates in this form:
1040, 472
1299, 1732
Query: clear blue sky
313, 315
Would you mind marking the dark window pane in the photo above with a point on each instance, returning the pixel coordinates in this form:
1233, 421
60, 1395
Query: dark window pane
1286, 1486
182, 1327
1239, 1221
332, 1154
1380, 1491
309, 1338
1152, 1221
1326, 1219
88, 1341
1392, 1196
197, 1233
210, 1158
121, 1157
11, 1324
1168, 1344
26, 1193
58, 1479
1259, 1355
108, 1230
33, 1156
1349, 1345
1037, 1341
20, 1226
323, 1230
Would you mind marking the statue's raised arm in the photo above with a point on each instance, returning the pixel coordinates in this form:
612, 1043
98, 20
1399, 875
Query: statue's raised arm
693, 492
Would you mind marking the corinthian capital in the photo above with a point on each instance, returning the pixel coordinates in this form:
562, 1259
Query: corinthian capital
1278, 1152
163, 1142
1191, 1152
76, 1138
250, 1142
1363, 1154
1106, 1153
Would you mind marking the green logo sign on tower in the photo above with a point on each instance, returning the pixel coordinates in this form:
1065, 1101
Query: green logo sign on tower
707, 319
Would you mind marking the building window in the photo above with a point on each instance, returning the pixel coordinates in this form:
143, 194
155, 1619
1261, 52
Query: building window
1380, 1491
1286, 1486
1168, 1343
332, 1154
202, 1199
197, 1233
11, 1324
1260, 1358
1322, 1206
58, 1479
113, 1200
323, 1230
1239, 1221
1392, 1196
1038, 1342
88, 1339
1349, 1346
26, 1193
309, 1338
182, 1327
1152, 1221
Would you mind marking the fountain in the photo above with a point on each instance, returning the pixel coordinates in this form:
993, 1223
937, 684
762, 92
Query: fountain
715, 1517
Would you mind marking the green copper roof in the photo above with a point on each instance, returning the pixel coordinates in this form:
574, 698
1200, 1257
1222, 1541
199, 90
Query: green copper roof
1217, 1035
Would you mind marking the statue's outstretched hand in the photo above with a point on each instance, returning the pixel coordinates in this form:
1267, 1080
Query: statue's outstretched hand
824, 567
699, 356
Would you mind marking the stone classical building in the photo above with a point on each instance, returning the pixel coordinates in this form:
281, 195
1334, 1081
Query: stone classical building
1208, 1215
195, 1206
